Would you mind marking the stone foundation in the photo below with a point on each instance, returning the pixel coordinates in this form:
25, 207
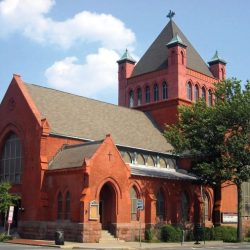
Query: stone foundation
128, 231
76, 232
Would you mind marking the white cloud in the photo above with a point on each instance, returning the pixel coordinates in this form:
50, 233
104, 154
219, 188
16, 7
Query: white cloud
97, 74
30, 18
92, 77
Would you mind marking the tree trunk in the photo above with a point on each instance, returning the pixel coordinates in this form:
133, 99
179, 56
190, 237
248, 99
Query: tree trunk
239, 224
5, 219
217, 205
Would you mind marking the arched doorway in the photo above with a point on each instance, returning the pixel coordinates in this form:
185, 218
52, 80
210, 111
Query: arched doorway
107, 206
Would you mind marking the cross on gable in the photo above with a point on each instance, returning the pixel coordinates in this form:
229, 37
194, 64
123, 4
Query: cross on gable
109, 155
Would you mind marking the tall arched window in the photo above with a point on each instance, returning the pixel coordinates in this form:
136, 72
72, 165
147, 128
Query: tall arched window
131, 98
133, 198
223, 74
173, 57
184, 206
182, 57
59, 206
210, 97
147, 94
164, 91
206, 206
160, 205
11, 160
156, 93
67, 207
196, 93
189, 91
139, 97
203, 93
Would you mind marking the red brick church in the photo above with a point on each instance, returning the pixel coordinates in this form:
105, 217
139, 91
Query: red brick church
83, 166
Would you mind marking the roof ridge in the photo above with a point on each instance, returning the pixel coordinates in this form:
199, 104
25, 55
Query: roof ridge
68, 146
84, 97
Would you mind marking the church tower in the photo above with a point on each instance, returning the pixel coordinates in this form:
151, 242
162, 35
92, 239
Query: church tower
126, 66
170, 73
218, 66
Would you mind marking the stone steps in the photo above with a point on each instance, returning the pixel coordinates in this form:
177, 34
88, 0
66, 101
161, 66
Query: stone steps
107, 237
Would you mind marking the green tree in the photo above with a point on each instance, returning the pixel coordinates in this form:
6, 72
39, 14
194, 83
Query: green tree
6, 198
217, 137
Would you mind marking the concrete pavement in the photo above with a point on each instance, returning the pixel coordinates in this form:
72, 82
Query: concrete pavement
122, 245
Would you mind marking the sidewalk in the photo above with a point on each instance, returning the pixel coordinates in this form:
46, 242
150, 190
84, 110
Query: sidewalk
119, 245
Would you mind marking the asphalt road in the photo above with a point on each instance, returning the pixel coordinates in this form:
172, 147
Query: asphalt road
238, 247
6, 246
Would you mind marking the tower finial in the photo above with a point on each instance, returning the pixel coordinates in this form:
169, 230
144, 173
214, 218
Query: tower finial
170, 14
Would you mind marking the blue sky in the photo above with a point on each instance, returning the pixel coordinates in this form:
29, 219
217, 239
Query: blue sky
73, 45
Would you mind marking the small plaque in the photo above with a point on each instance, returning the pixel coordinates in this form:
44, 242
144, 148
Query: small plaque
94, 210
229, 218
140, 204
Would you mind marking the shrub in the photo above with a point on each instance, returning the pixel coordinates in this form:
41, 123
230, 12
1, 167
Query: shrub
248, 233
4, 237
208, 233
149, 234
170, 234
228, 234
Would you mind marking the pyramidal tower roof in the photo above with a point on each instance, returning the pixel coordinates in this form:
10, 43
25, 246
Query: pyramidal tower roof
126, 57
155, 57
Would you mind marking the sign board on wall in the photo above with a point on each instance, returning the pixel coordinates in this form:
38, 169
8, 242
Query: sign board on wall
139, 204
93, 210
229, 218
10, 216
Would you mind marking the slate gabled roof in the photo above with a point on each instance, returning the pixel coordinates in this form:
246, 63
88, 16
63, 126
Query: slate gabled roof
75, 116
71, 156
155, 57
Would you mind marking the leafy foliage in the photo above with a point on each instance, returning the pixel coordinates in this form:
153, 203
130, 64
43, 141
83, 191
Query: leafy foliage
6, 198
4, 237
170, 233
217, 137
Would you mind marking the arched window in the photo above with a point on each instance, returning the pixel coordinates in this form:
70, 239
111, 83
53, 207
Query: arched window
196, 93
210, 97
184, 206
67, 207
173, 57
150, 161
131, 98
139, 97
140, 160
162, 163
206, 206
160, 205
182, 57
11, 160
147, 94
203, 93
59, 206
156, 93
133, 198
189, 91
164, 91
223, 73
